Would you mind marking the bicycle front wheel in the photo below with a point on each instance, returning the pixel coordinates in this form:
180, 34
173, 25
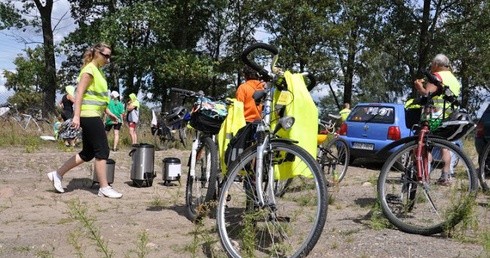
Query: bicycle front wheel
201, 188
484, 171
286, 225
431, 206
334, 160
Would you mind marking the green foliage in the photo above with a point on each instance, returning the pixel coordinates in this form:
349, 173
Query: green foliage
10, 17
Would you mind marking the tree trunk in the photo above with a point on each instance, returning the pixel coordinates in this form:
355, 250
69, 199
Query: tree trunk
49, 83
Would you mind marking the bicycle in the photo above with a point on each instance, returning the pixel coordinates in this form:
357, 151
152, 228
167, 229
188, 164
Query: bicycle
484, 169
163, 128
412, 198
202, 179
251, 219
26, 121
333, 153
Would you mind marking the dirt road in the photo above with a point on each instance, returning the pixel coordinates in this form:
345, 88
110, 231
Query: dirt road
35, 221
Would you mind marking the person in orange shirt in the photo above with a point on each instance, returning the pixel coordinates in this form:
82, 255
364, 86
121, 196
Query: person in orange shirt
245, 92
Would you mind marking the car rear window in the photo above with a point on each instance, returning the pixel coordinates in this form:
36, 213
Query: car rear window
373, 114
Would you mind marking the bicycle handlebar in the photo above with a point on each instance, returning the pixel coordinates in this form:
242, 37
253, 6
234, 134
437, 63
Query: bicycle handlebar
261, 70
187, 92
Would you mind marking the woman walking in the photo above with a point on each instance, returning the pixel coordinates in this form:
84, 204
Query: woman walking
90, 105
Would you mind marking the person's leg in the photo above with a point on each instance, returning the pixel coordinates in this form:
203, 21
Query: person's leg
57, 175
116, 138
72, 162
132, 133
101, 171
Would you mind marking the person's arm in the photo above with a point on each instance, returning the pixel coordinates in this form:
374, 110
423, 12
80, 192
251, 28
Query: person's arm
85, 81
429, 87
71, 98
111, 115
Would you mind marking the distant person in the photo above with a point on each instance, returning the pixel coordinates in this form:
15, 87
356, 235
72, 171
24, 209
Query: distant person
344, 113
132, 117
66, 103
90, 105
117, 108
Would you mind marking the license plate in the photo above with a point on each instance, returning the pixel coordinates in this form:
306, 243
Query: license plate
363, 146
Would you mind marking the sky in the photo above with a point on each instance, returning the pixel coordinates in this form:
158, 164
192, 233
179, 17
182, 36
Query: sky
13, 42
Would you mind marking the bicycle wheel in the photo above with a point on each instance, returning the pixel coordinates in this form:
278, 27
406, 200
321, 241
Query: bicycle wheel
426, 208
334, 160
288, 225
201, 188
484, 170
159, 139
183, 135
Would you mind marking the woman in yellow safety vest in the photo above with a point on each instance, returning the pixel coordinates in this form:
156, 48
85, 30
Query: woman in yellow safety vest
90, 105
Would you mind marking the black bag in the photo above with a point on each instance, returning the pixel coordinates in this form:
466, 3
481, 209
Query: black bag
243, 139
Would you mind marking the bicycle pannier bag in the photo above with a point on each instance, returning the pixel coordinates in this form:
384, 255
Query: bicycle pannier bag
207, 115
244, 138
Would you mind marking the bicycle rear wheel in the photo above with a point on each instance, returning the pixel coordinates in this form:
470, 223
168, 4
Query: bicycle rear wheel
287, 227
334, 160
484, 170
160, 138
201, 188
426, 208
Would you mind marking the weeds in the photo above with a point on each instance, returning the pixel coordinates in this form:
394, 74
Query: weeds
78, 212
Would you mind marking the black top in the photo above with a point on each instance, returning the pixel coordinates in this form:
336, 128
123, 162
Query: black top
67, 107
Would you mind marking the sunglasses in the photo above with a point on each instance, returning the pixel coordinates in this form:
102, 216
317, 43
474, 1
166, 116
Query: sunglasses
105, 55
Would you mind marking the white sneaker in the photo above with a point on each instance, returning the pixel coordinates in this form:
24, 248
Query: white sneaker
109, 192
56, 179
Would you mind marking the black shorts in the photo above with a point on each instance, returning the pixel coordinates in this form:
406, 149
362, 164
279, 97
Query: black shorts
95, 144
116, 127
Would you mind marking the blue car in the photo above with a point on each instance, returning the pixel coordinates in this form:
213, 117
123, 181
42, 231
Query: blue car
371, 126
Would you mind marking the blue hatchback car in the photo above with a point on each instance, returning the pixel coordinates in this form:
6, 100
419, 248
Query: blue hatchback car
371, 126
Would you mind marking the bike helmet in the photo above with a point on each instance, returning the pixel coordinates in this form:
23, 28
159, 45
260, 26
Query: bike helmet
458, 125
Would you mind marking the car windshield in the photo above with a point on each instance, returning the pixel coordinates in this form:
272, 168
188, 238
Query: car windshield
373, 114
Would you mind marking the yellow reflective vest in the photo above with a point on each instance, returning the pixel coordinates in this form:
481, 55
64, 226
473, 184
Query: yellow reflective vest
96, 97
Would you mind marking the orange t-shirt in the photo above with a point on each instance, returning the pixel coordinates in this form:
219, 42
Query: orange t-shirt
244, 94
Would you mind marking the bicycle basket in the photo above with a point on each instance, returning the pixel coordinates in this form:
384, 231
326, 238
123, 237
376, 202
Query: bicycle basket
207, 115
458, 125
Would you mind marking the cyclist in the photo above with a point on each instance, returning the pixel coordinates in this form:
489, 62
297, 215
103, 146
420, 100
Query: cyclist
441, 68
344, 113
245, 91
132, 117
117, 108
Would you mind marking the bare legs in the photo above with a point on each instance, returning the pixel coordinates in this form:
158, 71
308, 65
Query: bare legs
100, 168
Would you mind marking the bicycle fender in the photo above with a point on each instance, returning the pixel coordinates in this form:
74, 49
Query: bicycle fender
284, 140
384, 151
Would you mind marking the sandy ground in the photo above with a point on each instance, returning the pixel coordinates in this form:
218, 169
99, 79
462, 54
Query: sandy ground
35, 221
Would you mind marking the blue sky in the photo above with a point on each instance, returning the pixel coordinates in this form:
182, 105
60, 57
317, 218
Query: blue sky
13, 42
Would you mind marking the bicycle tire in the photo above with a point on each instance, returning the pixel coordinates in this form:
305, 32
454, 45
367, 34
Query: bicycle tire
420, 208
484, 170
159, 140
200, 189
292, 226
334, 160
183, 135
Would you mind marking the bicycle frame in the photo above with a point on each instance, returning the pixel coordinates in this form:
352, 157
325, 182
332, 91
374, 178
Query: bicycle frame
195, 146
421, 155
